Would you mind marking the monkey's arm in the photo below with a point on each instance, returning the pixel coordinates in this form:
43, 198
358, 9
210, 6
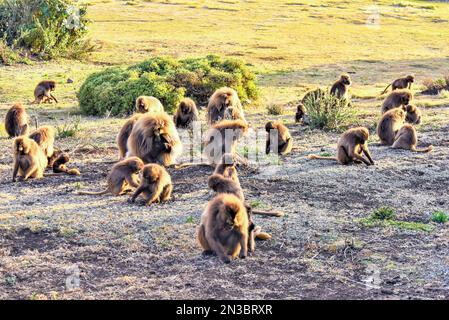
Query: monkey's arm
156, 191
53, 97
218, 248
367, 153
16, 169
132, 181
31, 169
267, 146
287, 148
357, 156
139, 190
243, 245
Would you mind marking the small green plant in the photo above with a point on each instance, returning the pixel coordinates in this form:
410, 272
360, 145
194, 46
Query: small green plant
326, 111
275, 109
77, 185
326, 154
440, 217
190, 220
69, 128
383, 213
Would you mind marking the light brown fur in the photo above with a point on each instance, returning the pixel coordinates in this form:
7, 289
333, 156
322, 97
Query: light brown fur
351, 147
154, 139
29, 159
401, 83
406, 138
59, 165
146, 104
45, 138
224, 228
123, 135
123, 175
155, 185
277, 130
340, 87
393, 120
186, 114
396, 99
222, 99
17, 121
43, 92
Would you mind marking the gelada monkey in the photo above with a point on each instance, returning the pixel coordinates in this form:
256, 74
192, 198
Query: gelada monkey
401, 83
393, 120
340, 87
45, 138
29, 159
43, 92
16, 121
59, 165
155, 185
222, 99
279, 133
121, 178
406, 138
396, 99
351, 147
123, 135
186, 114
300, 112
224, 228
146, 104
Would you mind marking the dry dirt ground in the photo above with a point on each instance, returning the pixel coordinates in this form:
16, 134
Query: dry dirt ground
58, 245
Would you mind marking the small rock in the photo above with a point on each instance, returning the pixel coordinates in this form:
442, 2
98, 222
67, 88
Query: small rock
69, 80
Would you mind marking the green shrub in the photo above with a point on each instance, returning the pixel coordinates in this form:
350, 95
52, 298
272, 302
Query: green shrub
275, 109
46, 28
114, 90
440, 217
434, 87
327, 111
383, 213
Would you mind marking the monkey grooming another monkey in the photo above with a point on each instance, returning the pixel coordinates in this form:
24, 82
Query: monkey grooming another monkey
45, 138
123, 175
29, 160
277, 130
146, 104
340, 87
186, 114
351, 146
396, 99
155, 186
406, 138
43, 92
154, 139
16, 121
401, 83
300, 112
224, 228
123, 135
393, 120
222, 99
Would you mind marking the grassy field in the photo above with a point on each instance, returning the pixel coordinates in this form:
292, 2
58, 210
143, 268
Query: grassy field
327, 245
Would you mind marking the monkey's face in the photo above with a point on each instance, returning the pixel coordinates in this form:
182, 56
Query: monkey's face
346, 80
20, 146
141, 106
52, 85
363, 135
151, 174
185, 108
405, 98
413, 115
410, 79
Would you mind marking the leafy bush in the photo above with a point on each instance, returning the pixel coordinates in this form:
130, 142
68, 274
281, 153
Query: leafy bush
434, 87
114, 90
440, 217
47, 28
327, 111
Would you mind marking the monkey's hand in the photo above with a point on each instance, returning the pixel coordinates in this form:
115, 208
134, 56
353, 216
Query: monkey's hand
131, 200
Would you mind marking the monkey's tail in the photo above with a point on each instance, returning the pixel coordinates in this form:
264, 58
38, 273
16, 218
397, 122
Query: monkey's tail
187, 165
90, 193
428, 149
386, 89
268, 213
317, 157
263, 236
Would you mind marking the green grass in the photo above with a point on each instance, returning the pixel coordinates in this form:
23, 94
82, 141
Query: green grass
440, 217
383, 213
70, 127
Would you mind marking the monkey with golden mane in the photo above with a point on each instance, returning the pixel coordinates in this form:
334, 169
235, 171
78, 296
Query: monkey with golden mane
43, 92
123, 135
146, 104
351, 147
222, 99
186, 114
155, 185
276, 130
45, 138
29, 159
16, 121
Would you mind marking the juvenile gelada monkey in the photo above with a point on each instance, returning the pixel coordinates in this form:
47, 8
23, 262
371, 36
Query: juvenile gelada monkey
222, 99
146, 104
396, 99
29, 160
121, 178
16, 121
351, 147
300, 112
406, 138
155, 185
186, 114
340, 87
43, 92
59, 165
278, 134
401, 83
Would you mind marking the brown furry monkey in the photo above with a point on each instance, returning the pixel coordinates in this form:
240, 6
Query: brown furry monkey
396, 99
43, 92
45, 138
123, 135
276, 130
406, 138
154, 139
401, 83
224, 228
222, 99
59, 165
186, 114
155, 186
123, 175
300, 112
222, 138
146, 104
351, 147
393, 120
340, 87
234, 113
29, 159
16, 121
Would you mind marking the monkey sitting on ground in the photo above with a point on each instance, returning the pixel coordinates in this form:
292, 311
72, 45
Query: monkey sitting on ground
29, 160
45, 138
59, 165
406, 138
222, 138
222, 99
393, 120
276, 130
154, 139
16, 121
350, 148
186, 114
123, 175
396, 99
401, 83
340, 87
155, 186
145, 104
224, 228
123, 135
300, 112
43, 92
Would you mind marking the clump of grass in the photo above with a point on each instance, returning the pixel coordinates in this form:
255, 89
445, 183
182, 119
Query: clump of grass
326, 154
383, 213
440, 217
190, 220
275, 109
70, 127
326, 111
434, 87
